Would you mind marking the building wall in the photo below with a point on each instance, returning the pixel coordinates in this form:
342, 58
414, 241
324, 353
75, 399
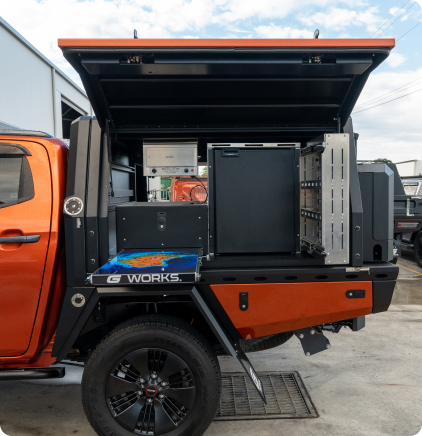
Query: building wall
409, 168
31, 89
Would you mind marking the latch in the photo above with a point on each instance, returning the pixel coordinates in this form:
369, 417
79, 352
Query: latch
243, 301
355, 293
358, 269
161, 221
230, 152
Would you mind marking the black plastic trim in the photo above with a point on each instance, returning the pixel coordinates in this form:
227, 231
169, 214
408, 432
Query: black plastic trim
13, 149
67, 329
73, 319
20, 239
76, 185
14, 132
382, 294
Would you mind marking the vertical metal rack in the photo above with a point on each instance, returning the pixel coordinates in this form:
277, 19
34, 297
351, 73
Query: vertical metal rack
324, 198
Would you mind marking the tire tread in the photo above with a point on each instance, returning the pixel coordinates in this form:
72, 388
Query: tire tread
146, 322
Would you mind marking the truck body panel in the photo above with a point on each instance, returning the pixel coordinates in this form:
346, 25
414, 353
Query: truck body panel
281, 307
22, 264
297, 90
33, 273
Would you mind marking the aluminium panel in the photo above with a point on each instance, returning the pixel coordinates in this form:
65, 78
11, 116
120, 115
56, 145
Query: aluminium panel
325, 199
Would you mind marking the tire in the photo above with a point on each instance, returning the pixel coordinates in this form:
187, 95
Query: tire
417, 248
120, 395
265, 343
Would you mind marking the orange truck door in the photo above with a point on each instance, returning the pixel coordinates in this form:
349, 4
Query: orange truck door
25, 214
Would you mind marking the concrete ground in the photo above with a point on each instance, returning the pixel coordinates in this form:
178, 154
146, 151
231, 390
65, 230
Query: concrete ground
368, 383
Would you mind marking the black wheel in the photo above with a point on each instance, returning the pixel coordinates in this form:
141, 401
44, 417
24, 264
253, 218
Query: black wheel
417, 248
154, 375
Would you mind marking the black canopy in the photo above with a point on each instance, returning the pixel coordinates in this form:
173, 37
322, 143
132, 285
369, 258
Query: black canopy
211, 88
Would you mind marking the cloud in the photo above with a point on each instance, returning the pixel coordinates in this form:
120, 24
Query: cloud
340, 18
151, 18
103, 19
391, 130
273, 31
234, 10
395, 59
236, 29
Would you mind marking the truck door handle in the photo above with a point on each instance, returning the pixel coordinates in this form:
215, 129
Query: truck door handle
20, 239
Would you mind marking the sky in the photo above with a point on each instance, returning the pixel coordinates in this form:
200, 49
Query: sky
392, 130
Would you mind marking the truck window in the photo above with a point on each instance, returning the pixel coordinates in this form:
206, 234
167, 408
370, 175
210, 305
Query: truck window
16, 184
410, 188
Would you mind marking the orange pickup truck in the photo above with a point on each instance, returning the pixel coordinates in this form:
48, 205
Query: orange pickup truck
291, 238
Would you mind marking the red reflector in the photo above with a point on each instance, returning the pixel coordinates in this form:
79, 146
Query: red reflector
410, 225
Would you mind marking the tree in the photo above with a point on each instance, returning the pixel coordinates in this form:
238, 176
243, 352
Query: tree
383, 159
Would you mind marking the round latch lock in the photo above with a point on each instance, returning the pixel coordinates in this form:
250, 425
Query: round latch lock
78, 300
73, 206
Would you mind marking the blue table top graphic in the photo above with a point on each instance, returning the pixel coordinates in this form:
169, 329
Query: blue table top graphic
148, 261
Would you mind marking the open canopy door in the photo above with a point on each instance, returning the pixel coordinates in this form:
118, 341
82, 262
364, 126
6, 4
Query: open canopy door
209, 85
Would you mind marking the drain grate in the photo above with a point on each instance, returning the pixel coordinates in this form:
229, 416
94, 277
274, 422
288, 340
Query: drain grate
286, 396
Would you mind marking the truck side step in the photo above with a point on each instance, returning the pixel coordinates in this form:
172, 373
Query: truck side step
31, 373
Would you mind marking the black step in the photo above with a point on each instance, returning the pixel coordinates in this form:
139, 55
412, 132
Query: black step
31, 373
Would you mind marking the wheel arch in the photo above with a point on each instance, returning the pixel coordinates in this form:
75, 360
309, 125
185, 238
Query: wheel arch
105, 308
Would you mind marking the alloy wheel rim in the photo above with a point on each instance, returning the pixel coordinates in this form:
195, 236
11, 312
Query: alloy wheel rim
150, 391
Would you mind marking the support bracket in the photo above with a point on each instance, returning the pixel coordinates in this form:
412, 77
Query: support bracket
312, 340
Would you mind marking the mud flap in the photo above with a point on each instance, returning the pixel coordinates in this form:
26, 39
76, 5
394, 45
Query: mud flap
232, 348
312, 340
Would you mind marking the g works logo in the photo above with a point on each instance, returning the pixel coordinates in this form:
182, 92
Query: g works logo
113, 279
144, 278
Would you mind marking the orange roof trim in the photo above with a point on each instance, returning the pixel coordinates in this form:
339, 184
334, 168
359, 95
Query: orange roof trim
221, 43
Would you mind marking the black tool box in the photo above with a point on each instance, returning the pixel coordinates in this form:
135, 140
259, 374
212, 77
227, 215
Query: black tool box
158, 225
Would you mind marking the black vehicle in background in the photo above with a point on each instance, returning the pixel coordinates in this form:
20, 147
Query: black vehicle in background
408, 213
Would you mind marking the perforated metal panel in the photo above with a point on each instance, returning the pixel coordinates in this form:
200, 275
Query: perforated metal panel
324, 201
286, 396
